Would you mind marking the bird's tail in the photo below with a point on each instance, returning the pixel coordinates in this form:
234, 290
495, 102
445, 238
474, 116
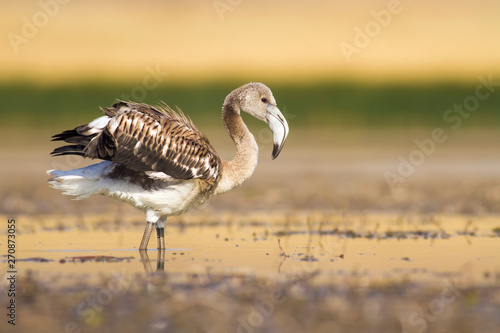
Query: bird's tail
81, 183
80, 137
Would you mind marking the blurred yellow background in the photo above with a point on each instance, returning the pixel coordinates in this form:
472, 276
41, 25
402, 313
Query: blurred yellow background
53, 41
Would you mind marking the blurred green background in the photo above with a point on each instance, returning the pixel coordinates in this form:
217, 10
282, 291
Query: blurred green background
320, 106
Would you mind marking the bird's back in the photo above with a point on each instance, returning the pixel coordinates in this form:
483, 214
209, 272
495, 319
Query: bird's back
142, 138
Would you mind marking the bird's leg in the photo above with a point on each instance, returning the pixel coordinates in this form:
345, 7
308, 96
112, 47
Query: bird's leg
160, 233
145, 237
151, 220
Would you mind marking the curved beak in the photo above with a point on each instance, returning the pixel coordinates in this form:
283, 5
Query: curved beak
278, 126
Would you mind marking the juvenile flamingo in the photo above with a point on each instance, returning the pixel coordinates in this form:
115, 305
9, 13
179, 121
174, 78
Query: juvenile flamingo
155, 158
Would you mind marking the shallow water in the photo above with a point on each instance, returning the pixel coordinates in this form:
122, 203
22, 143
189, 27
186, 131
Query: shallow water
231, 273
397, 250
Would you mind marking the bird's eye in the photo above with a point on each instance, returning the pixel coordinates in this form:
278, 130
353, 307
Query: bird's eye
263, 99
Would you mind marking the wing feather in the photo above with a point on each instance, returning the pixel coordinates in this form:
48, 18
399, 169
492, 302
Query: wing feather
143, 138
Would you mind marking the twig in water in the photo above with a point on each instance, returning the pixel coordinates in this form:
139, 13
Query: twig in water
282, 254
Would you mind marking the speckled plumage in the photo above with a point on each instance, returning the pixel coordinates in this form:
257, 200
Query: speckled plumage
143, 138
157, 160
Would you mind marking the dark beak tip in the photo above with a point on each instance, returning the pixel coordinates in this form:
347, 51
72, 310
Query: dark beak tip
276, 151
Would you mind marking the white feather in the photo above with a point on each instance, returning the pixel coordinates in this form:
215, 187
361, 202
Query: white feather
137, 146
159, 175
82, 182
176, 198
100, 122
114, 125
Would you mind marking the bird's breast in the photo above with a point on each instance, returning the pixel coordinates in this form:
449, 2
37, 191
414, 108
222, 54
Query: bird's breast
177, 198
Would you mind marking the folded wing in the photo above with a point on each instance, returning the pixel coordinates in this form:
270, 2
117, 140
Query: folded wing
144, 138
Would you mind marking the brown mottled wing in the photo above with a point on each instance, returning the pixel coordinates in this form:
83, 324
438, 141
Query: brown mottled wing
143, 138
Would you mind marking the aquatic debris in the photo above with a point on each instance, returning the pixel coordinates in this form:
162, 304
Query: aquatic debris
466, 231
352, 234
282, 254
35, 259
398, 234
32, 259
370, 235
289, 233
96, 259
308, 257
348, 233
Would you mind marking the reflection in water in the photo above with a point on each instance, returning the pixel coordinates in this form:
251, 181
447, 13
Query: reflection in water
160, 265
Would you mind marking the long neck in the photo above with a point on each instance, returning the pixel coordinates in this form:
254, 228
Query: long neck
241, 167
